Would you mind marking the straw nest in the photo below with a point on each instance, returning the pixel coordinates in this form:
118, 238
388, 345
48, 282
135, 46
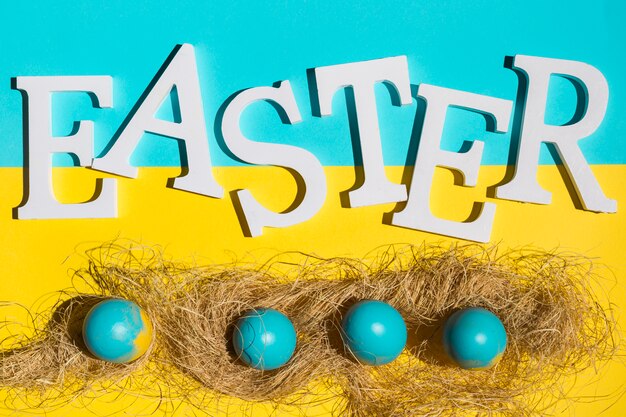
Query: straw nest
555, 326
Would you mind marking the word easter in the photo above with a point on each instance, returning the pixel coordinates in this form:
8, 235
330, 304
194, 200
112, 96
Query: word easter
180, 71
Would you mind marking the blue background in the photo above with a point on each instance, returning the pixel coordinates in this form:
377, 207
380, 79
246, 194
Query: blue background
239, 44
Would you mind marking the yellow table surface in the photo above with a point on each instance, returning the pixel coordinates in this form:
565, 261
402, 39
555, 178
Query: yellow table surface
37, 256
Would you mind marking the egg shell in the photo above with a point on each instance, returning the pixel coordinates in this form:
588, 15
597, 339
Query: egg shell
117, 330
374, 332
264, 339
474, 338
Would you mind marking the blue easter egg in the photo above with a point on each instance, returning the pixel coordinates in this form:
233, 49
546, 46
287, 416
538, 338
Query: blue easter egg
264, 339
117, 331
474, 338
374, 332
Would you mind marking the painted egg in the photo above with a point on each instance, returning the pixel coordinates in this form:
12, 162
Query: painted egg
474, 338
117, 331
264, 339
374, 332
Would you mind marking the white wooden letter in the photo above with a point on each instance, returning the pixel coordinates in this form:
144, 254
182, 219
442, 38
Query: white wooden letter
41, 203
181, 72
299, 161
362, 76
417, 214
524, 186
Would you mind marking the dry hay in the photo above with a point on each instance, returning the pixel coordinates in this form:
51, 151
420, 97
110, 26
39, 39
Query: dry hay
555, 326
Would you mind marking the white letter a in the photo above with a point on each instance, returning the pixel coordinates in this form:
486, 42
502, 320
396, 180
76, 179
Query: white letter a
178, 71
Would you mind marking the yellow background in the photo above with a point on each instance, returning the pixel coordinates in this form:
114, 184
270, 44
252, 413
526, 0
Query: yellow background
37, 256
